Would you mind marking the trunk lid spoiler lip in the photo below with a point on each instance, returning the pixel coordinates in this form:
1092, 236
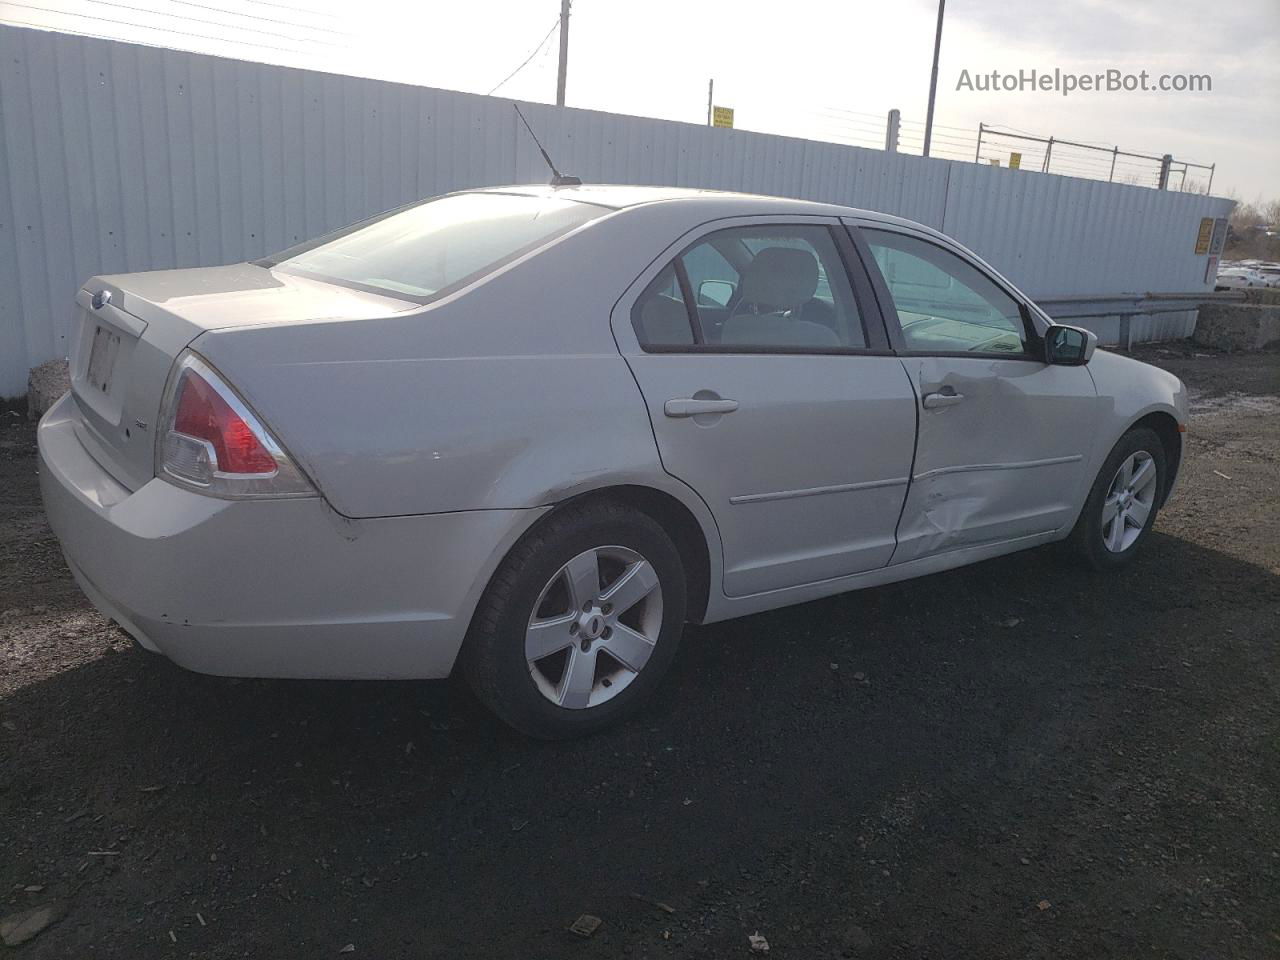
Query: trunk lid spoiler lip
229, 296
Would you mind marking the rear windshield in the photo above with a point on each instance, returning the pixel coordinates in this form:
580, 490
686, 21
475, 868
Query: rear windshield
432, 248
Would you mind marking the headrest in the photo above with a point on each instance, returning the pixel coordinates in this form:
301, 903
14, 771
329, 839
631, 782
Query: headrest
780, 277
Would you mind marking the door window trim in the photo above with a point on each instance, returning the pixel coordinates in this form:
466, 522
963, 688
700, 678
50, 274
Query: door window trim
1034, 351
690, 305
863, 292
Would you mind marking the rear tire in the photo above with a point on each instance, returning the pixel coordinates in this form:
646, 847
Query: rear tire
579, 623
1123, 502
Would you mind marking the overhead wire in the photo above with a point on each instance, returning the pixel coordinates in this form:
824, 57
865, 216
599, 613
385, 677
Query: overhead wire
252, 16
149, 11
285, 6
142, 26
525, 63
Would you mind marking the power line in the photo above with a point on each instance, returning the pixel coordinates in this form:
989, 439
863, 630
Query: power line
859, 131
254, 16
877, 124
873, 117
212, 23
880, 119
10, 21
142, 26
536, 51
285, 6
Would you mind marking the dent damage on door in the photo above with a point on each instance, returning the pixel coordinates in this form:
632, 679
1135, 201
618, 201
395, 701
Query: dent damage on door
970, 484
953, 507
950, 504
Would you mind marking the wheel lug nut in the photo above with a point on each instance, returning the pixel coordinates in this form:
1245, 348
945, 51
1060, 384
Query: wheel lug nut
608, 632
573, 627
586, 645
607, 609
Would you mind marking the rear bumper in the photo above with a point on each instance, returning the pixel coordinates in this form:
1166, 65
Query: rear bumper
269, 588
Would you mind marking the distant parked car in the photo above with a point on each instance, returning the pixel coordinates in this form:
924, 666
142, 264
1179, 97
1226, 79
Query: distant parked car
1239, 278
1270, 273
531, 432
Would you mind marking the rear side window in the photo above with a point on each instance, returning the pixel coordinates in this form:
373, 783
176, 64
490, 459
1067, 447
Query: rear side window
661, 316
757, 289
433, 248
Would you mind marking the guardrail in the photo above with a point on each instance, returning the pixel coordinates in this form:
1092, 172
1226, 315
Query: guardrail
1126, 306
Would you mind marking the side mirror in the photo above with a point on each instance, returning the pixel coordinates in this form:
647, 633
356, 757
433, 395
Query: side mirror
1069, 346
715, 293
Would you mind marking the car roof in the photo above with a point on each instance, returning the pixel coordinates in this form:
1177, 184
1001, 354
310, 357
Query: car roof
721, 202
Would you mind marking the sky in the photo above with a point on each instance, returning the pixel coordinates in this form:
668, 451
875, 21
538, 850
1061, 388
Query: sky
825, 69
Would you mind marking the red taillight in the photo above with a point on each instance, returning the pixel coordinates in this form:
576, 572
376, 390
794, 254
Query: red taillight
211, 442
203, 414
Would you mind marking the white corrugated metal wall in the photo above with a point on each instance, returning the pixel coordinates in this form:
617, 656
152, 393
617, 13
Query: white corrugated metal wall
116, 157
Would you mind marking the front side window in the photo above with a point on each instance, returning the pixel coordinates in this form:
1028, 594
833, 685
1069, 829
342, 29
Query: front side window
756, 288
944, 303
432, 248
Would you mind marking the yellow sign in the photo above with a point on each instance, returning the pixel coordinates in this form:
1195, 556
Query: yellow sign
1015, 161
1205, 236
722, 116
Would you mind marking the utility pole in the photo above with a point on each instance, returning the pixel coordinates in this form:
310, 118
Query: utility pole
933, 81
711, 89
564, 52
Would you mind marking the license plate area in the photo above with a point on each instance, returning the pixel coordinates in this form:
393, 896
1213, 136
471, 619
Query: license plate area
102, 358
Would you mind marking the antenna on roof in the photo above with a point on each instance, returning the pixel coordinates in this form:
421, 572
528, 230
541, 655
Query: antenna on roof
558, 179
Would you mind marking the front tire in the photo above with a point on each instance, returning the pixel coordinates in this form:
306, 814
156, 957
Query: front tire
580, 622
1123, 503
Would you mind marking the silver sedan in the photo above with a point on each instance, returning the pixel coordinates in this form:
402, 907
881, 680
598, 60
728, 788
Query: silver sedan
529, 432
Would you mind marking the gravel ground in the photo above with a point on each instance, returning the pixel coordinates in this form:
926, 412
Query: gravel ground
1018, 759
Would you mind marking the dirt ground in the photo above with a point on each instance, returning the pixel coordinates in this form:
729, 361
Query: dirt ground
1018, 759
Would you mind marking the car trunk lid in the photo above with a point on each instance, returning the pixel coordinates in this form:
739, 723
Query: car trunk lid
131, 327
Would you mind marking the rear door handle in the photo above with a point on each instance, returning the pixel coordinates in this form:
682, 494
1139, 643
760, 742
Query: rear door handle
689, 407
934, 400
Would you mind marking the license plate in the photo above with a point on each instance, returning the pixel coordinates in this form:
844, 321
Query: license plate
102, 358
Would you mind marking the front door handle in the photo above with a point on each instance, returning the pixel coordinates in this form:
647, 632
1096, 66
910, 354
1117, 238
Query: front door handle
945, 399
689, 407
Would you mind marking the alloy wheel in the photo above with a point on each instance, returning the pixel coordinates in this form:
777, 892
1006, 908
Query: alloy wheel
594, 626
1129, 502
